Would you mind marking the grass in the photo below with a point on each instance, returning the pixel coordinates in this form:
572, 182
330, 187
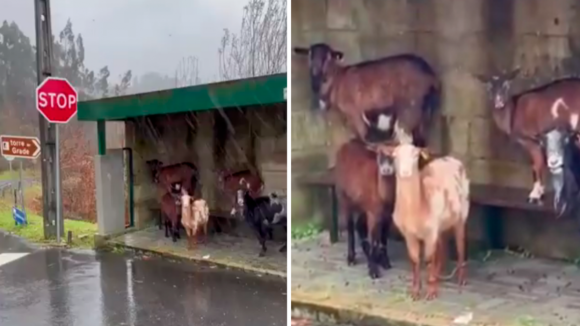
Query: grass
29, 174
83, 232
305, 230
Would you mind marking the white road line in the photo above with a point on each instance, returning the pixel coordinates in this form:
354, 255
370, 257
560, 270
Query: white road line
10, 257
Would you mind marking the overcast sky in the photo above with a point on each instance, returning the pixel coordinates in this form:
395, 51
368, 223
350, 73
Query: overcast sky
141, 35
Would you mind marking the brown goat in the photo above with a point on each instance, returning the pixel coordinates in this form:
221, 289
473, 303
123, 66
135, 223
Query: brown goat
185, 174
361, 188
230, 183
370, 94
527, 116
171, 212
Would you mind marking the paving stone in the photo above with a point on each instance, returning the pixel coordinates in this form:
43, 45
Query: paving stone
220, 249
507, 290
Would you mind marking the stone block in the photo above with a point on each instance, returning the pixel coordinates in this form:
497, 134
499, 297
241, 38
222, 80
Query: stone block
459, 141
463, 95
385, 18
382, 46
340, 14
539, 16
541, 55
468, 54
426, 47
480, 144
348, 42
499, 173
312, 14
423, 19
455, 19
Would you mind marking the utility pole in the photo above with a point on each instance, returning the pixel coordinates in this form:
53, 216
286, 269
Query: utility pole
47, 130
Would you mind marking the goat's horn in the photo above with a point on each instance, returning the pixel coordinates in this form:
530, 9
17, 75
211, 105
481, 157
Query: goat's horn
425, 153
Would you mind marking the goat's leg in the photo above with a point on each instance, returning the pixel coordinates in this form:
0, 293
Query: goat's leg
363, 234
538, 169
160, 221
460, 244
384, 254
413, 250
174, 231
270, 232
374, 237
167, 225
431, 256
261, 234
283, 248
345, 214
205, 232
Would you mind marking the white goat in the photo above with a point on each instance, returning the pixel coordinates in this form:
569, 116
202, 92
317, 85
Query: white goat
429, 202
194, 216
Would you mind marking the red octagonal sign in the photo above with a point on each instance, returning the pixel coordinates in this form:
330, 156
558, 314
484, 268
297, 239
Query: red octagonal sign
57, 100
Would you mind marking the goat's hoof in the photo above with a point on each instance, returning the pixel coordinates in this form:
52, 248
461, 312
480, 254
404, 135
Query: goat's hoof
374, 273
262, 254
386, 264
415, 294
351, 260
431, 295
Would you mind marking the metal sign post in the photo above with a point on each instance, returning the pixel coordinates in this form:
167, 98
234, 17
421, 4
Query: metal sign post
58, 194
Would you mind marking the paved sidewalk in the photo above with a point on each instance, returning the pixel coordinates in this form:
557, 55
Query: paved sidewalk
502, 289
221, 249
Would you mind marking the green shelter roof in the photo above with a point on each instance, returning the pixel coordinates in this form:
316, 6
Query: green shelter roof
254, 91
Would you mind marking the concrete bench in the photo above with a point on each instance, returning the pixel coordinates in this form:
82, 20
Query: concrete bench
493, 199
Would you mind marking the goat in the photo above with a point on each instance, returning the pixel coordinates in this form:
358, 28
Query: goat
526, 116
185, 174
230, 183
171, 211
563, 160
259, 213
361, 188
370, 93
194, 216
430, 202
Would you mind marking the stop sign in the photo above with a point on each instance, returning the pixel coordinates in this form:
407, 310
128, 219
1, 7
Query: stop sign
57, 100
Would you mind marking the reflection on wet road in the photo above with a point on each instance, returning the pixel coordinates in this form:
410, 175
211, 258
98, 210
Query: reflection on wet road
56, 287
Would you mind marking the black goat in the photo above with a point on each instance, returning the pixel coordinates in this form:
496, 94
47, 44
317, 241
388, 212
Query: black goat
262, 214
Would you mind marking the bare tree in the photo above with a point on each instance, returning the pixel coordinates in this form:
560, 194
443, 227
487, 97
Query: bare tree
187, 72
260, 46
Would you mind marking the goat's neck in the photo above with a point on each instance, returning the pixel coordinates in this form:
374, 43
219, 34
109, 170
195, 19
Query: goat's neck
407, 190
503, 117
332, 74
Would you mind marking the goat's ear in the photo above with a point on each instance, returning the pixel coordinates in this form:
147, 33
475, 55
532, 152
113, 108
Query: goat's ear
242, 180
481, 78
301, 51
337, 55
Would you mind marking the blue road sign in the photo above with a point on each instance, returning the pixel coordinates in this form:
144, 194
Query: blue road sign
19, 216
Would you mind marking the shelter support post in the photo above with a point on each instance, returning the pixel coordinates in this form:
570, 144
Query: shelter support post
102, 137
109, 179
204, 143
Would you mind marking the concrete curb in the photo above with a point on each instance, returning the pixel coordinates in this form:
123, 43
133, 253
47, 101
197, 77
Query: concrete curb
326, 311
210, 261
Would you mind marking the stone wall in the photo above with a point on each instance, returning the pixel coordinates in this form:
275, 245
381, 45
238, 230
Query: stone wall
208, 139
458, 38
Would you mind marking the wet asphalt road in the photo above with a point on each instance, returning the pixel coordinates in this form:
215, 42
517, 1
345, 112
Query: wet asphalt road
57, 287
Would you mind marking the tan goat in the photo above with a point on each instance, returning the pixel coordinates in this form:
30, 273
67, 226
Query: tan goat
429, 202
194, 217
